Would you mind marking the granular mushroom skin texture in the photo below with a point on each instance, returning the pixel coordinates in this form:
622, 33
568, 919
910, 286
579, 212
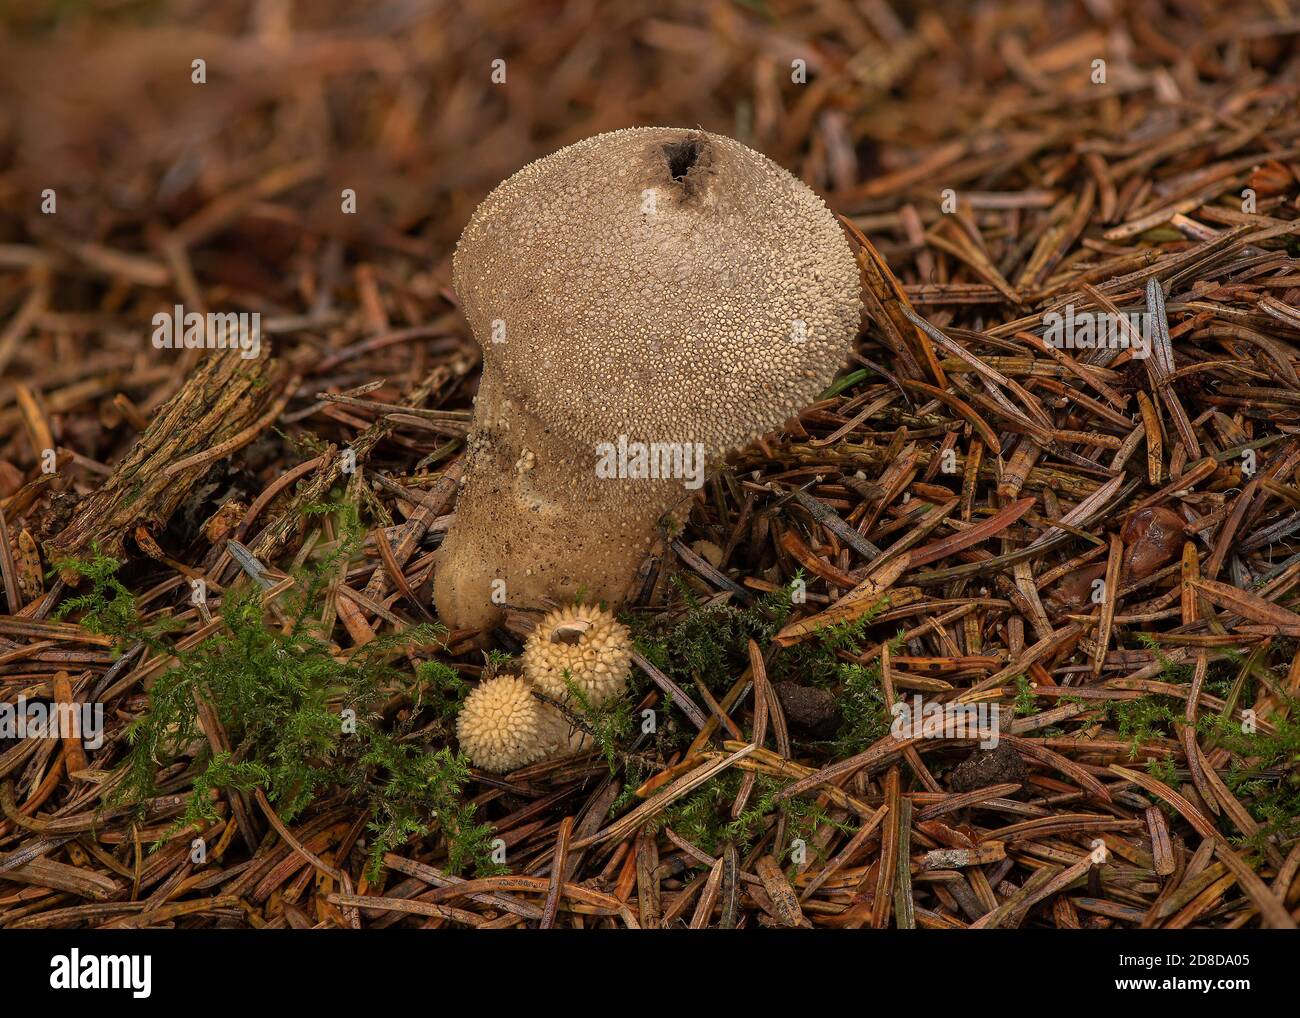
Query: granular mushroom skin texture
587, 644
646, 300
502, 726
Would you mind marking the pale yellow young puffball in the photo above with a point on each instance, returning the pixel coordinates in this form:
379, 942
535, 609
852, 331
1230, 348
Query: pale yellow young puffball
586, 642
503, 727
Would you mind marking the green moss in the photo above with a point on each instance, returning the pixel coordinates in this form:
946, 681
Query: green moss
704, 817
440, 688
108, 608
862, 704
857, 687
410, 788
708, 641
609, 725
301, 720
819, 661
1169, 670
1145, 719
1265, 770
1025, 703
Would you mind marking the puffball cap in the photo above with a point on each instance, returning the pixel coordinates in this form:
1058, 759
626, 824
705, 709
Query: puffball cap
666, 284
588, 643
502, 726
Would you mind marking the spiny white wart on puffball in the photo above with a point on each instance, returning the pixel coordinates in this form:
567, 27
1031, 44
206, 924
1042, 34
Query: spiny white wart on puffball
586, 641
502, 726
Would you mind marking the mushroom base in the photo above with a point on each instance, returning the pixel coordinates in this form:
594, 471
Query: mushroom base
534, 522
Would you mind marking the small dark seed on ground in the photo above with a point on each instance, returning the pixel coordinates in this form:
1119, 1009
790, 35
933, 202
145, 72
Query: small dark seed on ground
986, 767
812, 712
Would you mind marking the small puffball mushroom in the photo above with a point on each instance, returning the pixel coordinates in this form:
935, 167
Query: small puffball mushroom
502, 726
646, 300
588, 644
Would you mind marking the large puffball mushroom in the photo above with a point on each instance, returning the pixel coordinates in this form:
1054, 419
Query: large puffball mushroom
502, 726
586, 644
646, 301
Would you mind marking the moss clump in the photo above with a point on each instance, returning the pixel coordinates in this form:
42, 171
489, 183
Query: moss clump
704, 817
1264, 773
707, 641
108, 608
857, 687
609, 724
302, 720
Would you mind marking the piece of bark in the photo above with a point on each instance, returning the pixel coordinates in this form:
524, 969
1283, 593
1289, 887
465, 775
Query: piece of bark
222, 398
